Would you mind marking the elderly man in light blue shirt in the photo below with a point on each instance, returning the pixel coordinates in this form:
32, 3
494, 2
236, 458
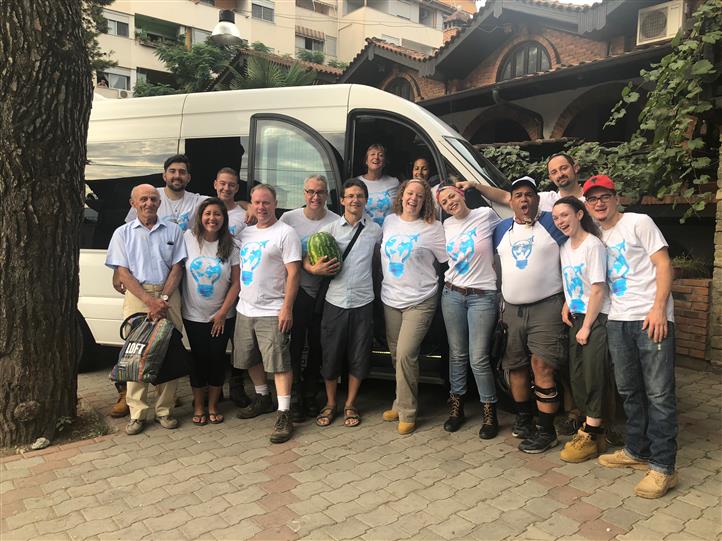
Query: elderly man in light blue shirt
347, 323
148, 255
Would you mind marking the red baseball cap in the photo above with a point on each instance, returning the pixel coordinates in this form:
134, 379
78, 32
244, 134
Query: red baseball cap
599, 181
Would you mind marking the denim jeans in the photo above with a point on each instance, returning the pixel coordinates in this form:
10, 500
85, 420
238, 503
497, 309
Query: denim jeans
469, 323
644, 371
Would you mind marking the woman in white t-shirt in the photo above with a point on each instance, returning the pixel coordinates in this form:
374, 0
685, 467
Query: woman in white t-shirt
413, 240
469, 304
584, 273
382, 188
210, 289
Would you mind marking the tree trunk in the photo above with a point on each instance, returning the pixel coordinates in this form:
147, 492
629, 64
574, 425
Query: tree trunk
45, 99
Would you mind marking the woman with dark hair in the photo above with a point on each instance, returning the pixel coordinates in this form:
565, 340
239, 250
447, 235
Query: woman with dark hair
584, 271
382, 188
210, 290
412, 241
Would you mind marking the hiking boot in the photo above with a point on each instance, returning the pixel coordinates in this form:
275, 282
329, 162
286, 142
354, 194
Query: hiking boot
620, 459
489, 423
581, 447
568, 426
539, 442
261, 403
456, 413
405, 428
391, 415
134, 426
166, 421
523, 426
655, 484
283, 429
120, 408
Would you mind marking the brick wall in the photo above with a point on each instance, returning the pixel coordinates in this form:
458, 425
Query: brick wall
423, 88
691, 315
715, 319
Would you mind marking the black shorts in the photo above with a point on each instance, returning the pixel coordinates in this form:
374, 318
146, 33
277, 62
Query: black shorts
346, 337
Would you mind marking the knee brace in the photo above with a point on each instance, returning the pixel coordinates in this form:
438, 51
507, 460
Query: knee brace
546, 394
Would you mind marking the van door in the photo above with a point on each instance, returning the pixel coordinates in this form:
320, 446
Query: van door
284, 152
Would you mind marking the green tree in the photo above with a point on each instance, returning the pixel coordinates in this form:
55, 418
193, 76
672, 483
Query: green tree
264, 73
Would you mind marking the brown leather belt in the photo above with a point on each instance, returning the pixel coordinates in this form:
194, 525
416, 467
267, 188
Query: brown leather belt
465, 290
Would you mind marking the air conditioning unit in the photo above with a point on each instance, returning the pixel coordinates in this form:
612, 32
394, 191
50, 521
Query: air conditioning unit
660, 22
125, 94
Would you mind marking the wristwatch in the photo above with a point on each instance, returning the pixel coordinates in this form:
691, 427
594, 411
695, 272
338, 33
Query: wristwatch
164, 297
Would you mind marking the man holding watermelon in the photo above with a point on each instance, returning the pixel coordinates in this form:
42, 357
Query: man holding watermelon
347, 323
306, 221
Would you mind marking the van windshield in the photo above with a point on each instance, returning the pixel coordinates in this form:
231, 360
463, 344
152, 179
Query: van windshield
479, 163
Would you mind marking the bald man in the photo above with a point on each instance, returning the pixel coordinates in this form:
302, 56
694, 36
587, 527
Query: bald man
148, 256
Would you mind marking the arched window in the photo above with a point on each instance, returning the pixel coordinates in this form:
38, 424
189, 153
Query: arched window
401, 87
528, 57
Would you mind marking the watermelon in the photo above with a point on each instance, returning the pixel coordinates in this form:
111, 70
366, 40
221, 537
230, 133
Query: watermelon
322, 244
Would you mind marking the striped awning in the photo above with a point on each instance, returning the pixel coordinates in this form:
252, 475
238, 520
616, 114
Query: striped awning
310, 33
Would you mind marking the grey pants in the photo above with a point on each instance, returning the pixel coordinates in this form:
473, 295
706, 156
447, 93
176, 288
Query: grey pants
405, 330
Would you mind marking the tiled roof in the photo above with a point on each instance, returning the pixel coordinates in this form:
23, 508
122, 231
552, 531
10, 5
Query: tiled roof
392, 47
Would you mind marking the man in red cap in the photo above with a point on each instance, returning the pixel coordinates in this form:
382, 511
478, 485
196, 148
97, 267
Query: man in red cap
640, 331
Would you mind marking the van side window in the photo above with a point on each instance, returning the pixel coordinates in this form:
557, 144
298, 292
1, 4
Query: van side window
208, 156
284, 154
113, 169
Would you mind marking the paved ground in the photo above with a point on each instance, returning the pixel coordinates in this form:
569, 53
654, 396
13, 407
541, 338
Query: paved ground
227, 482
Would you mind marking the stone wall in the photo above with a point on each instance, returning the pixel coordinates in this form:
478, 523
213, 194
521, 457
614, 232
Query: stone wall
691, 315
714, 352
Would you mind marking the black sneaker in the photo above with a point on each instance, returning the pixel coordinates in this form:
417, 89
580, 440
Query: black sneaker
568, 426
614, 438
456, 413
283, 429
539, 442
489, 423
260, 404
523, 426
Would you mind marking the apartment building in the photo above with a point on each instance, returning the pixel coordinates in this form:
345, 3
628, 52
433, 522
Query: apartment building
338, 28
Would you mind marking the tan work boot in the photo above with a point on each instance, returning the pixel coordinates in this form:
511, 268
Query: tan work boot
655, 484
620, 459
406, 428
120, 408
391, 415
581, 447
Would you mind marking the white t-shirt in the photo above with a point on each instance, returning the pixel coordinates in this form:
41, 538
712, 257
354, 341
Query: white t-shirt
206, 280
581, 267
547, 200
529, 255
181, 212
471, 250
408, 250
264, 254
236, 222
304, 228
381, 197
630, 272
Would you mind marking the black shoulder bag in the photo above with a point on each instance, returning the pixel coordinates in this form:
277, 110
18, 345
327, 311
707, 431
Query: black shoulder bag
323, 288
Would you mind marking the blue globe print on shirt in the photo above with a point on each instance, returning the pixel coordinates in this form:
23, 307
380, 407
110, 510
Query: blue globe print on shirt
521, 250
461, 250
617, 268
574, 286
182, 220
251, 255
304, 245
398, 249
205, 271
378, 206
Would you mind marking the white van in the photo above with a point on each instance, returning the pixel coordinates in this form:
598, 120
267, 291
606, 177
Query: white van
277, 136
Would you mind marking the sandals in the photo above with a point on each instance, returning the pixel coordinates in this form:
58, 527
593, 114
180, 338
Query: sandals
351, 417
215, 418
200, 419
326, 417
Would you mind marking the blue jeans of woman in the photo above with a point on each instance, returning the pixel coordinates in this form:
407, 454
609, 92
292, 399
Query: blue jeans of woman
469, 323
644, 371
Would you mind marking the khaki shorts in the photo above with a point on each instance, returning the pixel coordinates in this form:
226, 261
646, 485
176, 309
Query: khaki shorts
256, 340
535, 329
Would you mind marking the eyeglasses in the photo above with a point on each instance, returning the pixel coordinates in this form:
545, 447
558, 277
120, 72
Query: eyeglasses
593, 200
313, 193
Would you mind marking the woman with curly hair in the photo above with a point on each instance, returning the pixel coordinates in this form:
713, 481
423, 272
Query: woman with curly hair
413, 240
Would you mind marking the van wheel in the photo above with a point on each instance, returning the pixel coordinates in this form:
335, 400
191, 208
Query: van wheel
88, 348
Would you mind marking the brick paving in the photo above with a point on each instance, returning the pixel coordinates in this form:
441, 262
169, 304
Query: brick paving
227, 481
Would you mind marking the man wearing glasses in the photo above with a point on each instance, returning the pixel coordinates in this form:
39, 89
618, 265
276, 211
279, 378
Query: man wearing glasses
306, 221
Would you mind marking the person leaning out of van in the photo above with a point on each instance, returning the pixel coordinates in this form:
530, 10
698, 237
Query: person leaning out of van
382, 188
584, 271
413, 241
148, 255
469, 305
210, 289
347, 323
